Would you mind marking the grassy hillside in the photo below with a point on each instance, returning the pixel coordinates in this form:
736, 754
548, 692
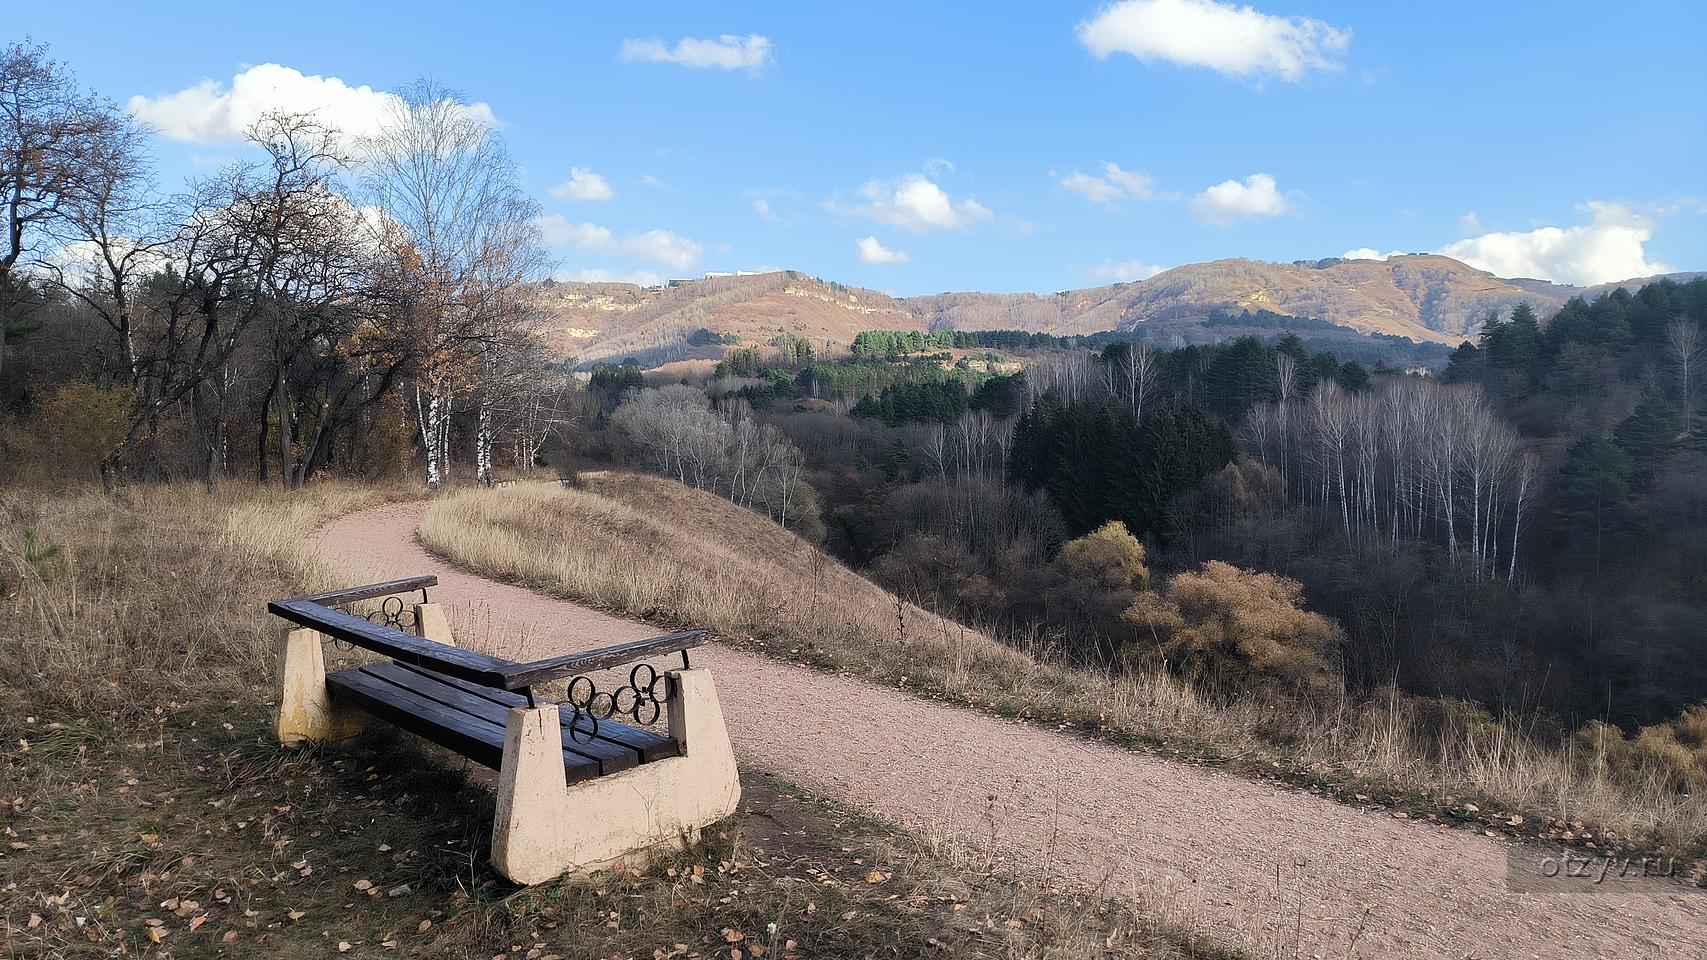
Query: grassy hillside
148, 812
1425, 297
611, 321
649, 547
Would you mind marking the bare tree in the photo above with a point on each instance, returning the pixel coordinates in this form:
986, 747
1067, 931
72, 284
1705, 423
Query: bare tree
1684, 339
453, 216
60, 149
1528, 471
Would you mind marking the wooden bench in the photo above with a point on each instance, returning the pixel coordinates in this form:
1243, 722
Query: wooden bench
578, 789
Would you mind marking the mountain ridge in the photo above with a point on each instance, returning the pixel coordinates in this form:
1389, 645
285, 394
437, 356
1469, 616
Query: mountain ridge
1422, 297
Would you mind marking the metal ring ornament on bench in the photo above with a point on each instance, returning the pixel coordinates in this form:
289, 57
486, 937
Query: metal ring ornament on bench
640, 700
391, 614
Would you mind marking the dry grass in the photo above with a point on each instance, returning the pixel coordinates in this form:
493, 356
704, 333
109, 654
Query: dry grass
651, 548
147, 811
113, 600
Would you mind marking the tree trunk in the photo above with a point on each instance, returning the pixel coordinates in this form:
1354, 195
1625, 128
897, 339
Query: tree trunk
281, 402
483, 443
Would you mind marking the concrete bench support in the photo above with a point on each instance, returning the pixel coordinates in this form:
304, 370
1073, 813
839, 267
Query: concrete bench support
432, 624
544, 828
306, 711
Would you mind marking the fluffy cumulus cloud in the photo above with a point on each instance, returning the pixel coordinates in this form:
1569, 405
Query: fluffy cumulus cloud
1127, 270
727, 52
1231, 201
1370, 253
644, 278
655, 246
870, 251
583, 184
1238, 41
1114, 185
212, 112
916, 203
1612, 246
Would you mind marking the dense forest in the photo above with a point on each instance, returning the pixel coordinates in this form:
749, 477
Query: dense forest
1519, 531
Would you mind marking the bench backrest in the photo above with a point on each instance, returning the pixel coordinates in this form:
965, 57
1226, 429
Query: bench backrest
316, 613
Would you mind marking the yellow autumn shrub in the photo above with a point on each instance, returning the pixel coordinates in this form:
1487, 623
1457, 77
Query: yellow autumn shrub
1109, 556
1221, 625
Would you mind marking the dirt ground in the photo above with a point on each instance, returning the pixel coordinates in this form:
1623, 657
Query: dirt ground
1264, 868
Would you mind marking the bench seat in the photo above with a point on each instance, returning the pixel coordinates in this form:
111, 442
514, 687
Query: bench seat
572, 794
470, 719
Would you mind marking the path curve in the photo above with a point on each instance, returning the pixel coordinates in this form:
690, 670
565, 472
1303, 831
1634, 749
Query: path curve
1253, 863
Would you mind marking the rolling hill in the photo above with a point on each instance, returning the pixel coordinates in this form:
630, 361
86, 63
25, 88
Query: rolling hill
1423, 297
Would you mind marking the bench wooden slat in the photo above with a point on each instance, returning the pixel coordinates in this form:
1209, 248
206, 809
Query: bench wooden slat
649, 745
404, 647
471, 737
598, 757
371, 590
477, 739
519, 675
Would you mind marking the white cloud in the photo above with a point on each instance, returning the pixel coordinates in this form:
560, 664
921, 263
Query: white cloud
1114, 185
658, 246
918, 204
1470, 223
1094, 189
727, 52
583, 184
1370, 253
1610, 247
870, 251
772, 204
212, 112
644, 278
1233, 40
1140, 186
1127, 270
1230, 201
81, 263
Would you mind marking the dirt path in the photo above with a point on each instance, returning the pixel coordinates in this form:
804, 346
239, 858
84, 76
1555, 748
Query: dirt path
1268, 868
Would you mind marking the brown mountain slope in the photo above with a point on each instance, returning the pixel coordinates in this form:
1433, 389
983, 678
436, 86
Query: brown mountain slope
1424, 297
610, 321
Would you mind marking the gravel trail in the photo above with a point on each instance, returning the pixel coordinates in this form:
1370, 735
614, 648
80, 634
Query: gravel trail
1261, 866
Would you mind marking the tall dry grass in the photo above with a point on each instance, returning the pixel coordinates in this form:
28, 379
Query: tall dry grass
146, 612
654, 549
115, 602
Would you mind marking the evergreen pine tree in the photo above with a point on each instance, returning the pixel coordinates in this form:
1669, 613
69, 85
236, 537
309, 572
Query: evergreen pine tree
898, 464
1649, 436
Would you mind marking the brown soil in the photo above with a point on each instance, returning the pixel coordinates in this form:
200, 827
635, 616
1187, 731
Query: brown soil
1259, 865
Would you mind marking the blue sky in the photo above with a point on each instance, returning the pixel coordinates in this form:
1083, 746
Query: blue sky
917, 148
